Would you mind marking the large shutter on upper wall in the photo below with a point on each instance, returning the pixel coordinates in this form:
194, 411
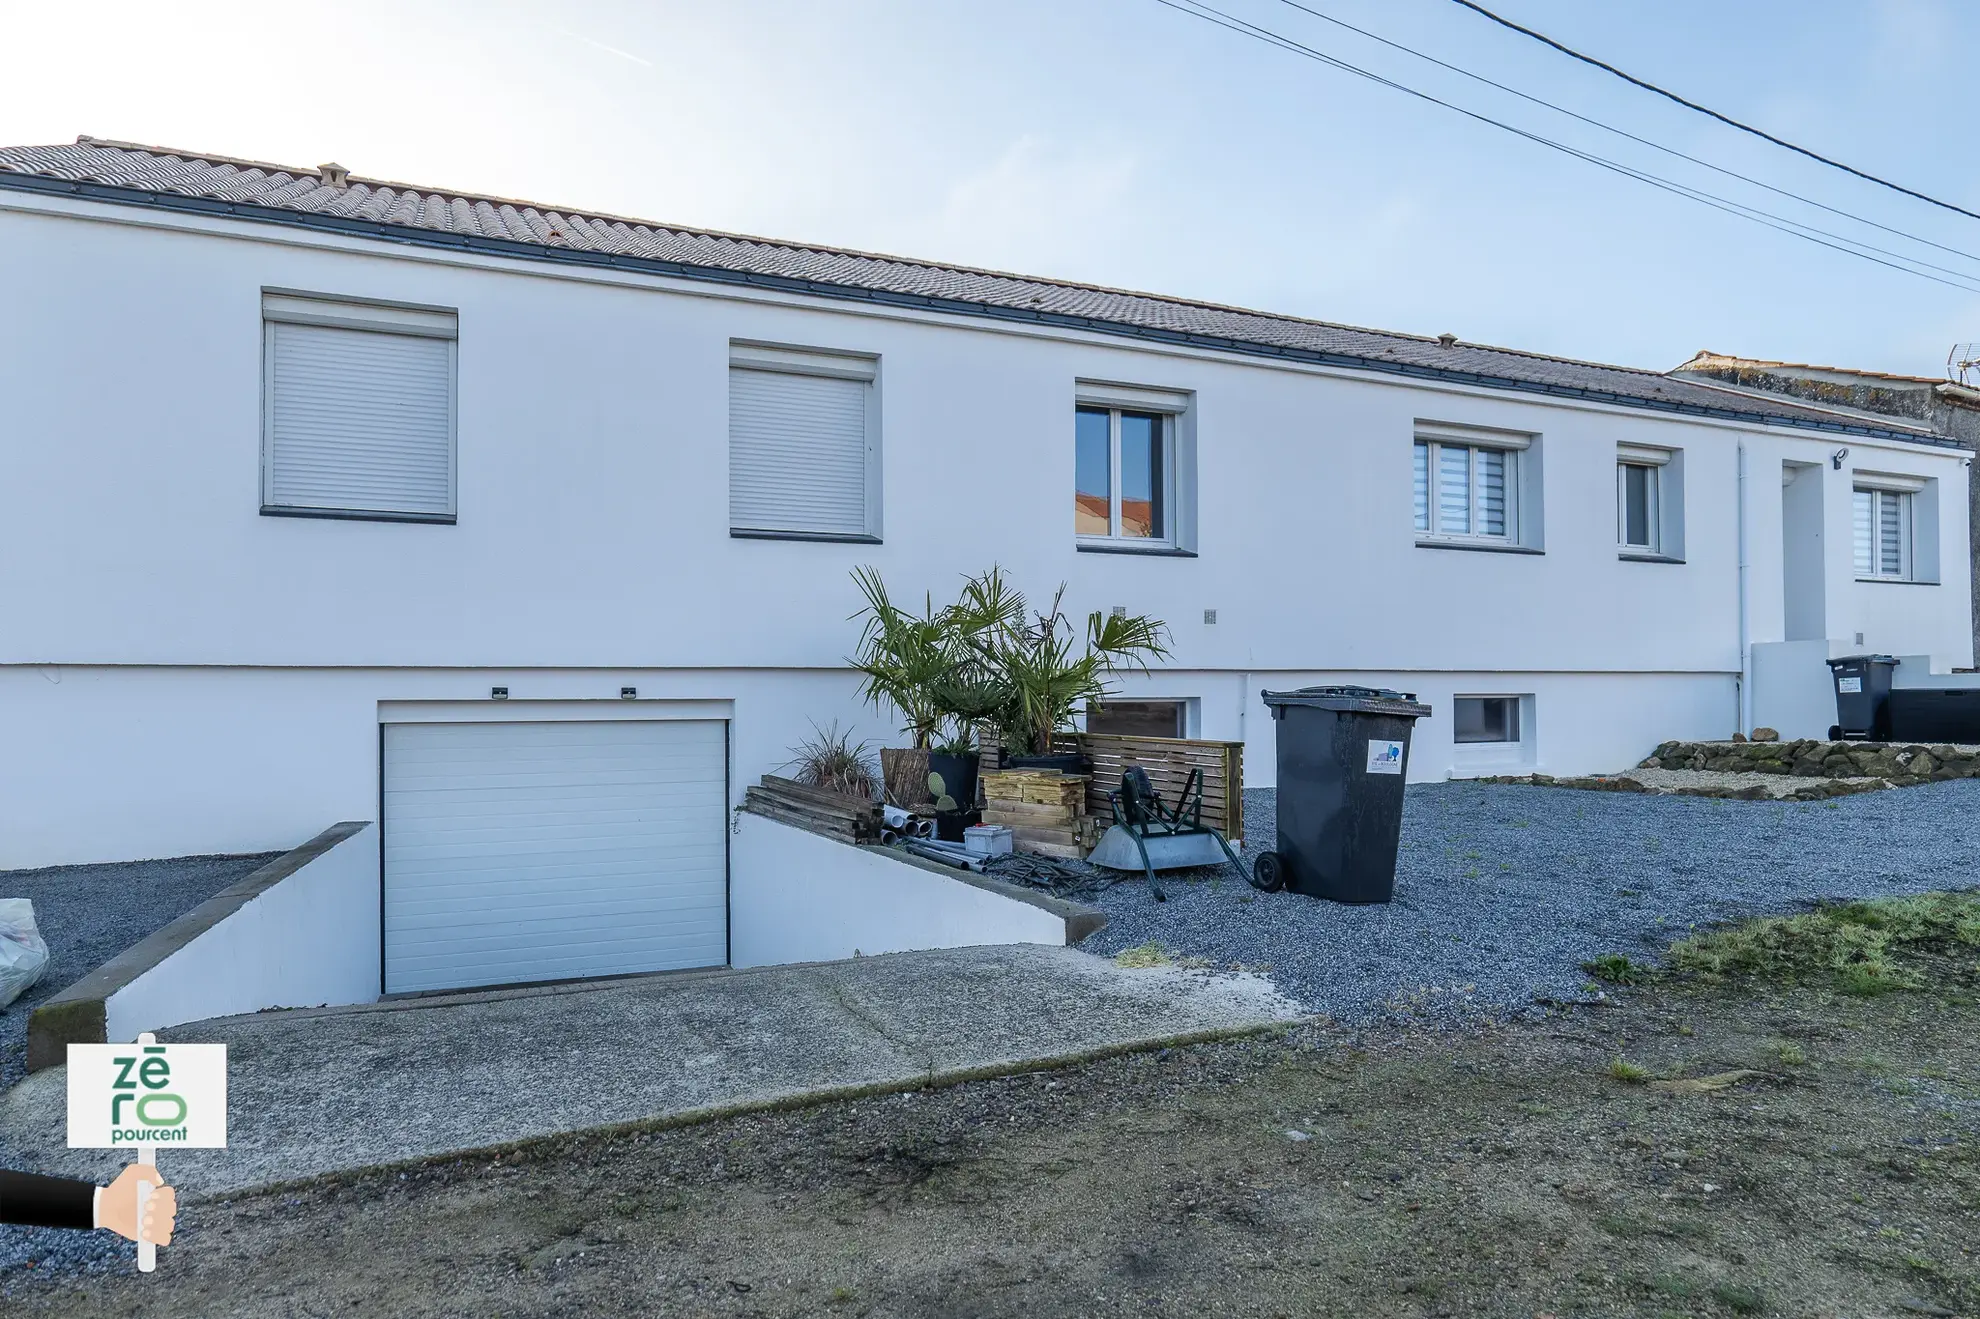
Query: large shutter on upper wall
798, 457
360, 420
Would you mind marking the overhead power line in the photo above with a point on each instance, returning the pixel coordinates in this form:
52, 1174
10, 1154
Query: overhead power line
1820, 237
1642, 141
1708, 111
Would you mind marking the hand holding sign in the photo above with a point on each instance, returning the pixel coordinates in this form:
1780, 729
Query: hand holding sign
140, 1096
117, 1207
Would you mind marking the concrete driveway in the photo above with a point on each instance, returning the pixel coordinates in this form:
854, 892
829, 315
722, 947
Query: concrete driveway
321, 1091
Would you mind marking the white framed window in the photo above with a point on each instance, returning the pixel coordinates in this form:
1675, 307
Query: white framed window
1883, 537
1485, 720
804, 444
358, 408
1465, 489
1642, 475
1133, 465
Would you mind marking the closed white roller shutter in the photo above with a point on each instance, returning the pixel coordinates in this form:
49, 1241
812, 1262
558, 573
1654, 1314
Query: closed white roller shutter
359, 420
798, 453
553, 851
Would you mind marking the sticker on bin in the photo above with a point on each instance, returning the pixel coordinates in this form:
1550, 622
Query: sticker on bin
1384, 757
1849, 684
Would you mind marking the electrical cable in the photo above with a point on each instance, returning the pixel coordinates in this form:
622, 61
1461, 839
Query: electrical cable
1632, 79
1820, 237
1644, 141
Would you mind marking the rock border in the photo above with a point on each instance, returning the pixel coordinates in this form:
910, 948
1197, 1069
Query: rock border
1831, 768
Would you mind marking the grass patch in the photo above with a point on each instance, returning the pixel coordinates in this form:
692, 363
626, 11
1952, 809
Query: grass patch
1856, 946
1738, 1298
1616, 969
1152, 954
1788, 1053
1628, 1072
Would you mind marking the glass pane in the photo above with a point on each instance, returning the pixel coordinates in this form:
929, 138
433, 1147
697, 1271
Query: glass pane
1141, 475
1636, 505
1093, 489
1492, 464
1486, 718
1890, 534
1453, 489
1420, 486
1861, 510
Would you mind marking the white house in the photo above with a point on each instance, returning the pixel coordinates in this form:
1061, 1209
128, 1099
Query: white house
301, 472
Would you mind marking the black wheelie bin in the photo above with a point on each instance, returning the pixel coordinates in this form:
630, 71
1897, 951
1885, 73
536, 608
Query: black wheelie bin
1343, 753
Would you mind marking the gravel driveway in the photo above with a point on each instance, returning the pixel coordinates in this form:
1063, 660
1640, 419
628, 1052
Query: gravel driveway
1503, 890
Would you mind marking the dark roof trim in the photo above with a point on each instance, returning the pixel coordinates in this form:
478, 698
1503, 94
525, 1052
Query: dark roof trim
409, 236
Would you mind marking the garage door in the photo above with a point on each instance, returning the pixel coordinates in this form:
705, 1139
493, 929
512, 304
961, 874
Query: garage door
551, 851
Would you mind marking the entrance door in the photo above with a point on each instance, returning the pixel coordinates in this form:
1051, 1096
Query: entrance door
1803, 570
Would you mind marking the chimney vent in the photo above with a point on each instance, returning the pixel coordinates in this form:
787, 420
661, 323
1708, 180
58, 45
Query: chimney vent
334, 175
1448, 340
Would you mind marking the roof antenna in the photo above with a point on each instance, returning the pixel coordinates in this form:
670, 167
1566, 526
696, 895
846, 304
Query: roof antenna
1963, 364
334, 175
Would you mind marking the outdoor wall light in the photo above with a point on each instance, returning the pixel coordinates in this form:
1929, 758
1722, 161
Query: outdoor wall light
498, 693
628, 693
1836, 458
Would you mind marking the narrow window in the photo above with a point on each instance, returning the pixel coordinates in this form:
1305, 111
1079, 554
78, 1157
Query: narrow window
1882, 526
1486, 718
1636, 507
1123, 475
357, 409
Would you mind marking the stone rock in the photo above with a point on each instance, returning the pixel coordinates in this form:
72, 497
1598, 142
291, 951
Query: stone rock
1771, 765
1740, 737
1839, 767
1765, 735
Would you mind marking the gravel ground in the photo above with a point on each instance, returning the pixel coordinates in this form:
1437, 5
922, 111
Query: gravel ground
89, 914
1504, 890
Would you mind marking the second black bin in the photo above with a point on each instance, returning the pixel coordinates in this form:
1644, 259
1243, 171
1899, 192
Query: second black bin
1343, 756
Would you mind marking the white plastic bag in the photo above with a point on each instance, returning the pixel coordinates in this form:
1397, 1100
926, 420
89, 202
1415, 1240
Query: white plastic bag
23, 953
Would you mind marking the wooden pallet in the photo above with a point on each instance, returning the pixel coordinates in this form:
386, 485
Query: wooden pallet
1168, 761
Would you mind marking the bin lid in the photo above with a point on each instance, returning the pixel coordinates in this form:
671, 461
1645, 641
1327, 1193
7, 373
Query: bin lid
1842, 661
1359, 700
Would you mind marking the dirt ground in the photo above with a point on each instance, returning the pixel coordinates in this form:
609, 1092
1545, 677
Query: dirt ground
1510, 1171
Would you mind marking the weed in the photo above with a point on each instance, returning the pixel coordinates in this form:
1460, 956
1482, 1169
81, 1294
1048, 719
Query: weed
1617, 969
1852, 944
1670, 1284
840, 1296
1738, 1298
1628, 1072
1789, 1053
1144, 955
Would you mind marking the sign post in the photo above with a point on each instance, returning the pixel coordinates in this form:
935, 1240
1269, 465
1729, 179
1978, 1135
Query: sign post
142, 1095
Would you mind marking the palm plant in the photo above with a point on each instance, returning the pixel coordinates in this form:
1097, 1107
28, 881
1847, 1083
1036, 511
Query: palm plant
1027, 674
905, 657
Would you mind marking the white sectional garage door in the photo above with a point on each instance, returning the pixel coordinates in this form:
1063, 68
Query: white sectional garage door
551, 851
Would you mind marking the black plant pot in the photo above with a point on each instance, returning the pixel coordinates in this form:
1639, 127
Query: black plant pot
949, 825
1066, 762
958, 777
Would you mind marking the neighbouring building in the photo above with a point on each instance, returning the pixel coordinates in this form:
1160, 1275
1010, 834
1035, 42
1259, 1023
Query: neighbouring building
331, 499
1946, 406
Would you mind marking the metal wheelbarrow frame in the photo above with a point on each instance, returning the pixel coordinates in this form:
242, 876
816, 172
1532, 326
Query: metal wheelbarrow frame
1140, 816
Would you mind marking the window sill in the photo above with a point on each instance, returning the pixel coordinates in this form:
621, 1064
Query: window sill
355, 515
832, 537
1485, 546
1148, 551
1896, 581
1644, 556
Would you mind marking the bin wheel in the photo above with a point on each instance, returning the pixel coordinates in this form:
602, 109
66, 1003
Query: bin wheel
1835, 732
1268, 872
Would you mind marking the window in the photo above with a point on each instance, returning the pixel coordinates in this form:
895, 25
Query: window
1464, 490
1122, 470
1486, 718
1883, 533
1648, 501
804, 444
357, 409
1636, 506
1139, 718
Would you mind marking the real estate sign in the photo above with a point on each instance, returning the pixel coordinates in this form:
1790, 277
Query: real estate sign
147, 1094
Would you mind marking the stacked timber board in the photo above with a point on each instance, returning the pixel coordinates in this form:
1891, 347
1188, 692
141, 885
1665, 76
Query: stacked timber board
1168, 761
834, 814
1044, 809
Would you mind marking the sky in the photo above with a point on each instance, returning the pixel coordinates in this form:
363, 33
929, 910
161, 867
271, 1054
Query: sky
1121, 142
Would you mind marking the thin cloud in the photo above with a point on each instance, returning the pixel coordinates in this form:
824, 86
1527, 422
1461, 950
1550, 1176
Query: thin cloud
609, 50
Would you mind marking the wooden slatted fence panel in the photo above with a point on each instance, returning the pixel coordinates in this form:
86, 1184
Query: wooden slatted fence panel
1168, 761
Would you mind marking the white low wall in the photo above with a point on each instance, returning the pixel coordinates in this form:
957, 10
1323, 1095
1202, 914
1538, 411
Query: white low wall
1793, 691
311, 939
800, 897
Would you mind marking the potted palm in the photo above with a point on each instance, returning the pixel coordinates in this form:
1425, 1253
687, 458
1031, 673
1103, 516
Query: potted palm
1028, 672
905, 660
